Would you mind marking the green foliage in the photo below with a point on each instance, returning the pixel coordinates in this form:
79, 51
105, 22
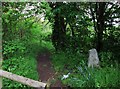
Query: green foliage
105, 77
20, 53
47, 10
108, 56
24, 66
66, 60
18, 60
24, 36
11, 48
81, 75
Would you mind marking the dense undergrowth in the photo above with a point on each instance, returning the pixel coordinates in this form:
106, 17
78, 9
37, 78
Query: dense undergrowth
20, 58
71, 28
20, 54
74, 66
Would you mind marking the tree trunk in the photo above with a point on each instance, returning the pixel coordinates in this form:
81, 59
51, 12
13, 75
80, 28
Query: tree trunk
59, 33
100, 25
59, 28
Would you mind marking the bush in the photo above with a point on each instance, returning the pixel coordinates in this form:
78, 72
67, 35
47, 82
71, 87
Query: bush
11, 48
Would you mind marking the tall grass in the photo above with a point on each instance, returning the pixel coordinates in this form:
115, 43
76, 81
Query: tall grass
81, 75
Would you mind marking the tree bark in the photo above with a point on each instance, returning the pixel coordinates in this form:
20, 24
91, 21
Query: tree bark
100, 25
59, 32
59, 29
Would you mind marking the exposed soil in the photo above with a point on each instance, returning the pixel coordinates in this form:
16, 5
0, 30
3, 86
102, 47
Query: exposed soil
46, 71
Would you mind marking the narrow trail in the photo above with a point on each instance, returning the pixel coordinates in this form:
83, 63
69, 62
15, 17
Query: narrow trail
46, 71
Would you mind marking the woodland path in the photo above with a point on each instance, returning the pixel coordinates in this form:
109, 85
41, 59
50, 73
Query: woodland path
46, 71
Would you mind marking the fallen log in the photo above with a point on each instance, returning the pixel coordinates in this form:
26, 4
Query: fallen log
22, 79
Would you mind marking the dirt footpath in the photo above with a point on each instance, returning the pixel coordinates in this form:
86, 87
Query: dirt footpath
46, 71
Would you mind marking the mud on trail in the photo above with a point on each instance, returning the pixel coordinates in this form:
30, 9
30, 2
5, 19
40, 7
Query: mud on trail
46, 71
